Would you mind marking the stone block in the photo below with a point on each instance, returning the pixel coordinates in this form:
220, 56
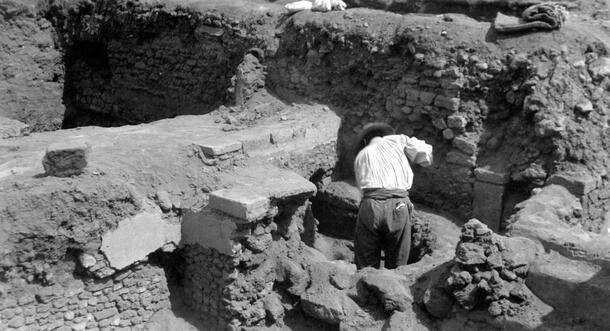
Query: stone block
426, 97
66, 159
487, 204
460, 158
241, 202
439, 123
457, 122
104, 314
578, 184
12, 128
216, 146
138, 236
448, 134
250, 198
412, 94
466, 143
484, 174
447, 102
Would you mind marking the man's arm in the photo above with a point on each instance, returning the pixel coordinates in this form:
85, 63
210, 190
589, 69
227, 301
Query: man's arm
418, 151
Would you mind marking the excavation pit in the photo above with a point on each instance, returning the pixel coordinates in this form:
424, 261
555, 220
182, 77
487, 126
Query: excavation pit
221, 189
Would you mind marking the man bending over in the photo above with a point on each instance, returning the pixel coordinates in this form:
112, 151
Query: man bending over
384, 175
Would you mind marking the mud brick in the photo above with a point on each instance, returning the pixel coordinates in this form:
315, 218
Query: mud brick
66, 159
104, 314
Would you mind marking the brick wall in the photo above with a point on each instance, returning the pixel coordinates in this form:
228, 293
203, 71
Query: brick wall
127, 299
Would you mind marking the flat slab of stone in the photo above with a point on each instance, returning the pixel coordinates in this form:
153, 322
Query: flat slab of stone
66, 159
256, 188
138, 236
216, 146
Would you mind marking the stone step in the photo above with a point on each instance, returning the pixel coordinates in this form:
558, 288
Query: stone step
573, 287
256, 189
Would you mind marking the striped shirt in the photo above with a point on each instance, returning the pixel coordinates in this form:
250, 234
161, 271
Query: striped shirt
385, 162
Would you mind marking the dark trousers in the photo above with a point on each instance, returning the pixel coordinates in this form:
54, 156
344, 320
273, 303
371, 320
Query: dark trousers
384, 223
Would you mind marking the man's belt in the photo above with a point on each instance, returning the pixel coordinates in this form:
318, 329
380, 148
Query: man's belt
384, 193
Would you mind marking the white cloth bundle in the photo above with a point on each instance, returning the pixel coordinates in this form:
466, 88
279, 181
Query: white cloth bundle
316, 5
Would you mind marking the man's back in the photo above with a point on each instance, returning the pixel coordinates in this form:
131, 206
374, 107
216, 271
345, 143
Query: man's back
384, 162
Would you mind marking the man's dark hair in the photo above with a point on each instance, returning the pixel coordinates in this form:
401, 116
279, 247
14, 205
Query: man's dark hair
370, 135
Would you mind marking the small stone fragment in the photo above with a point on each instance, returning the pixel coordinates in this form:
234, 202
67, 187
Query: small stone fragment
456, 122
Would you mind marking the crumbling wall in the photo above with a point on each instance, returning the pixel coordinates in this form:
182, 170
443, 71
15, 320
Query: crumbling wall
127, 299
136, 63
453, 100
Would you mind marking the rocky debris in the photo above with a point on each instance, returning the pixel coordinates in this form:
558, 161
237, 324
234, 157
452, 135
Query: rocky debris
66, 159
600, 68
489, 271
12, 128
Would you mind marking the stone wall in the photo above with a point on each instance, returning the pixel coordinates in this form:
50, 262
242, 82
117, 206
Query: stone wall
452, 101
206, 273
143, 64
128, 299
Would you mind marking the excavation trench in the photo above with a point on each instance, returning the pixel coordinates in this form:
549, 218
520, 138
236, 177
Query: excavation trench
270, 89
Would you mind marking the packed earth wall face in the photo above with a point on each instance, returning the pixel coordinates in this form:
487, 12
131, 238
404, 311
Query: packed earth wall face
127, 299
31, 67
133, 66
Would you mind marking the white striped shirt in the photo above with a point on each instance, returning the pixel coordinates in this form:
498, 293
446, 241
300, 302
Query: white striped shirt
384, 162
